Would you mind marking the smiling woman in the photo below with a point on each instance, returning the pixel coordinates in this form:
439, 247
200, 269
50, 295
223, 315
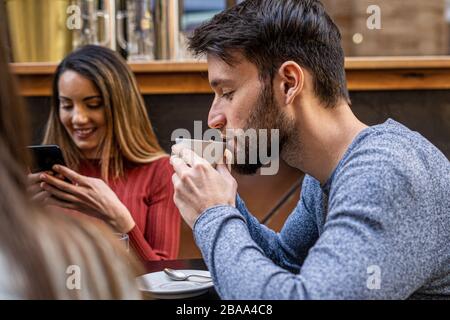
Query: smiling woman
93, 88
119, 172
81, 112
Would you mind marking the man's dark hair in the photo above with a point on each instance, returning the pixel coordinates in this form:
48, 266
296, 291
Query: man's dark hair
270, 32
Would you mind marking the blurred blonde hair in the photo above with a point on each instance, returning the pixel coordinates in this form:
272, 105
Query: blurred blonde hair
39, 246
129, 133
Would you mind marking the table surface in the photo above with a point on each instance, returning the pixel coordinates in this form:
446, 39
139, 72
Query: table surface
196, 264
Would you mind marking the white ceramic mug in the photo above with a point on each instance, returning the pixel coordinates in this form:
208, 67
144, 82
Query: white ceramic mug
212, 151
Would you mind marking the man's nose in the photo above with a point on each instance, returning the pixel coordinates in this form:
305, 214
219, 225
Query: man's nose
216, 120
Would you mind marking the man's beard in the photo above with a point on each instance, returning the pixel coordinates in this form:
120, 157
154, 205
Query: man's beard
265, 114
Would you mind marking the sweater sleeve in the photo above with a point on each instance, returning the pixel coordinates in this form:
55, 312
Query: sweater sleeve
375, 243
161, 237
287, 249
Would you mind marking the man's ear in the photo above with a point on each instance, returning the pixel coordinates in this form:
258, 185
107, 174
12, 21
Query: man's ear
292, 80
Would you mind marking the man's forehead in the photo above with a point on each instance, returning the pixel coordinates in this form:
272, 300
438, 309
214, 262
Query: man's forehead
217, 63
219, 71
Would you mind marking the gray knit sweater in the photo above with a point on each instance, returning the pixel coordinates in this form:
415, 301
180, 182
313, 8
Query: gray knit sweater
378, 229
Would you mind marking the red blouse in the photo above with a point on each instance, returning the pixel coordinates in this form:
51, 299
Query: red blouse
147, 191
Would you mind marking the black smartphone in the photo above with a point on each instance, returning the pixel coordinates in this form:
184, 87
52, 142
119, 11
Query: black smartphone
45, 157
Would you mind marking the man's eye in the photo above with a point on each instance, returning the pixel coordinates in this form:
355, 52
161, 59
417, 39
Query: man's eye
228, 95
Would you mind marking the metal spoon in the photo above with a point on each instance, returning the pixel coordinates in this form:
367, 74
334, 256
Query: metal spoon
181, 276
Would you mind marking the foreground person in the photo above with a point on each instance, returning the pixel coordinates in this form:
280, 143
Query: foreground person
46, 254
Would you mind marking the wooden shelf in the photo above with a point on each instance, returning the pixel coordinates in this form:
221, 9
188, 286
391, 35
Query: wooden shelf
189, 77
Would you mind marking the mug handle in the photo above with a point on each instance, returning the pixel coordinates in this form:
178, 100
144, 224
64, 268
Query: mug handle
121, 15
106, 18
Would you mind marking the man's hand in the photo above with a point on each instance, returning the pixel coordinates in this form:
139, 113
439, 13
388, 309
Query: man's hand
198, 186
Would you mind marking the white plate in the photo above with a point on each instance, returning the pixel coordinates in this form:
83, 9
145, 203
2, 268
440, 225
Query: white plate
159, 285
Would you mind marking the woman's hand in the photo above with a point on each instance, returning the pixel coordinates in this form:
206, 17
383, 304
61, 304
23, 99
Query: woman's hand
35, 190
87, 195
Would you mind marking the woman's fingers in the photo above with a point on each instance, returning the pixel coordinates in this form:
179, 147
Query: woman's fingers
34, 178
52, 201
76, 178
60, 176
41, 196
60, 194
34, 189
61, 185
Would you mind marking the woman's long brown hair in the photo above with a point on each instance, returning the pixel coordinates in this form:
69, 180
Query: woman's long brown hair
129, 134
39, 247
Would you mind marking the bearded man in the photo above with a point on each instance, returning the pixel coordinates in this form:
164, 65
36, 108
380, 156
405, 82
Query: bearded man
373, 218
